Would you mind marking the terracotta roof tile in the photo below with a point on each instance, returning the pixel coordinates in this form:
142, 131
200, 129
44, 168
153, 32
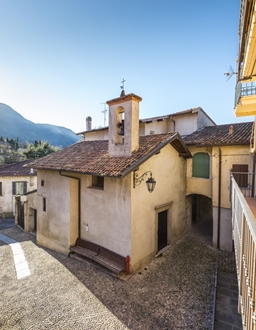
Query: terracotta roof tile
17, 169
91, 157
220, 135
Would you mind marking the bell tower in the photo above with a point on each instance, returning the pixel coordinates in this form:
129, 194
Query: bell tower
123, 125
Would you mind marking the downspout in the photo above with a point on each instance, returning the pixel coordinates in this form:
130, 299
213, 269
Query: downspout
173, 123
79, 198
219, 199
253, 174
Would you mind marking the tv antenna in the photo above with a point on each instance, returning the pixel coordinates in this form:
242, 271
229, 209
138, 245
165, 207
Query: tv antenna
104, 112
230, 72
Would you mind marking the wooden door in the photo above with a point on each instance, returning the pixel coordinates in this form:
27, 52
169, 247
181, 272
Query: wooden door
241, 178
162, 230
35, 219
21, 214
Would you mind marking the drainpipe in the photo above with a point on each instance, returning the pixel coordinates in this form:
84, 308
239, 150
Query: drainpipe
79, 198
253, 175
219, 200
173, 123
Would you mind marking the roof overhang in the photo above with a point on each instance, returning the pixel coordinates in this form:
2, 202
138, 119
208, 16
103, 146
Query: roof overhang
246, 106
247, 51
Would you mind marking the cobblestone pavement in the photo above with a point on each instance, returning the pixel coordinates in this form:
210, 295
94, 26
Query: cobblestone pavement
175, 291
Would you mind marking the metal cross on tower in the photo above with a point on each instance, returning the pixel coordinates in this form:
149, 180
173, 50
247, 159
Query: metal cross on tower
122, 82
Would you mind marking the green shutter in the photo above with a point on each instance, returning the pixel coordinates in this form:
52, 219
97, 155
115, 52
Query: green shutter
24, 187
14, 188
201, 162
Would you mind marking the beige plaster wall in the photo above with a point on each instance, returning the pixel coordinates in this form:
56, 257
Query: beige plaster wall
53, 225
7, 200
169, 171
198, 185
106, 213
157, 127
225, 232
119, 146
30, 204
185, 124
203, 120
96, 135
229, 155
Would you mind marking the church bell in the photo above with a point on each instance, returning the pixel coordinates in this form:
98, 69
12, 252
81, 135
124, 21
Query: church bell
121, 128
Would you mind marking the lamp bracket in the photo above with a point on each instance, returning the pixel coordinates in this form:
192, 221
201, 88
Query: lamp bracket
137, 180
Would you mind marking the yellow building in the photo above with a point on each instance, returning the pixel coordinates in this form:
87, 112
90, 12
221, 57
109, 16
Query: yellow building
217, 151
245, 98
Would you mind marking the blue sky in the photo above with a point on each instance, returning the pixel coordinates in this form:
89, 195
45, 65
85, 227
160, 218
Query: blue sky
60, 59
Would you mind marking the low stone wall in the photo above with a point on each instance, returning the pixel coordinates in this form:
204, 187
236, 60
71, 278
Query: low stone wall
6, 215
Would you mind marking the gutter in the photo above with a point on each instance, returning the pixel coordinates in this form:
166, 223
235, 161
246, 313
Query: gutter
79, 198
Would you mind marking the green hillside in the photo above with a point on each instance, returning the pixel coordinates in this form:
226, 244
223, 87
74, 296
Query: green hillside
12, 124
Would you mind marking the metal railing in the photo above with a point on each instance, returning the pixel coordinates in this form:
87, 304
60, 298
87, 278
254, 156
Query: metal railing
246, 182
246, 89
244, 235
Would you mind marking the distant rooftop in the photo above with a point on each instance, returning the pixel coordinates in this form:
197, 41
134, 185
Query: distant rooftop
221, 135
17, 169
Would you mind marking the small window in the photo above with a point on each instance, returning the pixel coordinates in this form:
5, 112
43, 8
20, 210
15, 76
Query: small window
44, 204
201, 165
98, 181
1, 191
42, 183
19, 187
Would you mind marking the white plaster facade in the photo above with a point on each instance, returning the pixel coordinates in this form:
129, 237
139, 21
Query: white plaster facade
7, 199
184, 122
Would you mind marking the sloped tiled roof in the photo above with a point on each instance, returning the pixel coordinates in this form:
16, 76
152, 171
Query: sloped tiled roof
17, 169
91, 157
220, 135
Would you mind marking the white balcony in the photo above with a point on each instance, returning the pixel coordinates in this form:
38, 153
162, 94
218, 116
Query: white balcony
244, 235
245, 99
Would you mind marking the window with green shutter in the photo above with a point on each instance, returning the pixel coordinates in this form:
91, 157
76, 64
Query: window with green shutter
201, 165
19, 187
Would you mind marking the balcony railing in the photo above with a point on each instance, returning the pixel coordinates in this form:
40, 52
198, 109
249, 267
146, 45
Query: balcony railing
245, 182
244, 235
242, 90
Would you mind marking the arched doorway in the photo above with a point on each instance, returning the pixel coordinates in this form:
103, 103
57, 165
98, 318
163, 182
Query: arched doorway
200, 214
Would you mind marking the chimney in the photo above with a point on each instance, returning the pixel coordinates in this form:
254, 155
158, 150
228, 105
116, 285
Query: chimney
88, 123
231, 129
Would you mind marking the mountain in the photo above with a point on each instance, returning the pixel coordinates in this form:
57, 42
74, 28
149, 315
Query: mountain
13, 125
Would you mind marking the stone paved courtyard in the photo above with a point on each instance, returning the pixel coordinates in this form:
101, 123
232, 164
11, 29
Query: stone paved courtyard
175, 291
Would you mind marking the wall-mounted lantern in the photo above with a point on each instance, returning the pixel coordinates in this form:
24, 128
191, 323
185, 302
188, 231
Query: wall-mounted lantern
150, 181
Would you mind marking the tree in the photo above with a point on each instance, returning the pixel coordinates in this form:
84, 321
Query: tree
39, 149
